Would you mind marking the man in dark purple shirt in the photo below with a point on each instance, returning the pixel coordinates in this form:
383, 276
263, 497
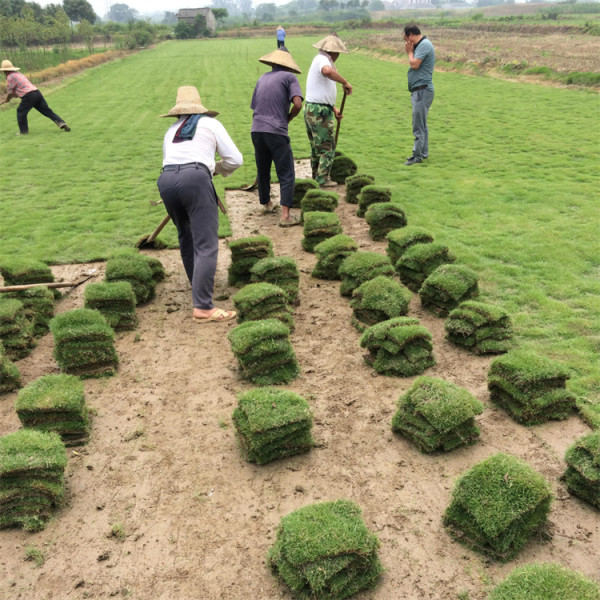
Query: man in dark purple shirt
273, 94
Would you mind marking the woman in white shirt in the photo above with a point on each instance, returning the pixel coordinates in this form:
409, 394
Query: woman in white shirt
186, 188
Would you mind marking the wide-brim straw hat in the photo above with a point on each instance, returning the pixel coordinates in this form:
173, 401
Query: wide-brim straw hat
281, 58
331, 43
188, 103
8, 66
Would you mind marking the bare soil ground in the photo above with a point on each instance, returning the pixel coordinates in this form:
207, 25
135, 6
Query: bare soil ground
193, 520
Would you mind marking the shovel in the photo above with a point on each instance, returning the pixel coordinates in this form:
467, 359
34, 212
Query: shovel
337, 129
249, 188
148, 240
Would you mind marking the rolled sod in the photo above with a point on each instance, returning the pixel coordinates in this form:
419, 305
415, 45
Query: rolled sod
24, 271
258, 301
378, 299
302, 186
497, 506
530, 387
245, 253
400, 240
10, 377
115, 300
371, 194
55, 403
281, 271
84, 343
359, 267
156, 267
583, 469
38, 303
545, 581
272, 424
330, 255
437, 415
324, 551
447, 287
354, 184
16, 330
419, 260
479, 328
319, 201
318, 227
384, 217
399, 346
32, 467
342, 168
134, 269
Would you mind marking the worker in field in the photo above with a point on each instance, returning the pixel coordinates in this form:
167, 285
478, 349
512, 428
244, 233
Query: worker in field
421, 58
277, 99
280, 37
186, 188
18, 86
320, 112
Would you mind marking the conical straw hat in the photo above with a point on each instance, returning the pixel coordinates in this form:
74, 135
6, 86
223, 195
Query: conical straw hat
8, 66
282, 58
188, 103
331, 43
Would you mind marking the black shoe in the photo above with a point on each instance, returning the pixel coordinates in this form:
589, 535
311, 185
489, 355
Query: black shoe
412, 161
64, 126
422, 157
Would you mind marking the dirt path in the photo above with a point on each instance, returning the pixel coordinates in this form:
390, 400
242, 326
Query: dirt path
196, 520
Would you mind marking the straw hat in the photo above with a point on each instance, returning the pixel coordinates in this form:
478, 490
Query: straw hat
8, 66
188, 103
279, 27
282, 58
331, 43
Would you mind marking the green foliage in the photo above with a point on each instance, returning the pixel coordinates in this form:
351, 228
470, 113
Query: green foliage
78, 10
10, 377
34, 554
16, 330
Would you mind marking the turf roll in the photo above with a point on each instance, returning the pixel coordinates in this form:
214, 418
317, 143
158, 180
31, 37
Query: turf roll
324, 551
530, 387
258, 301
301, 186
16, 330
318, 227
38, 303
245, 253
342, 167
330, 255
271, 424
24, 271
479, 328
281, 271
400, 240
583, 469
371, 194
399, 346
115, 300
10, 377
133, 268
384, 217
419, 260
497, 506
354, 185
437, 415
359, 267
447, 287
319, 201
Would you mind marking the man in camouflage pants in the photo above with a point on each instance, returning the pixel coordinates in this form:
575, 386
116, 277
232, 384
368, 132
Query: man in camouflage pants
319, 110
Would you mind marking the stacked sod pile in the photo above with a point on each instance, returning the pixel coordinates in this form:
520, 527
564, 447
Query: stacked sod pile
400, 240
545, 581
135, 269
419, 260
116, 301
318, 227
447, 287
258, 301
583, 468
24, 271
342, 168
372, 194
156, 267
32, 466
378, 299
10, 378
325, 552
264, 352
55, 403
38, 303
400, 346
16, 330
302, 186
437, 415
480, 328
355, 184
272, 424
330, 255
281, 271
497, 506
319, 201
84, 343
530, 387
359, 267
245, 253
384, 217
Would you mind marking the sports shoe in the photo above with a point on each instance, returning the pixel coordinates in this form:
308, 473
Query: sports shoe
412, 161
329, 183
422, 157
64, 126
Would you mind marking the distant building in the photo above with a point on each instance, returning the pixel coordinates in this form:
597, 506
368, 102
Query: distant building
406, 4
188, 15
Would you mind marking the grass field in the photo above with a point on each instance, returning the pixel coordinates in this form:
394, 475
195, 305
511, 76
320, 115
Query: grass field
511, 185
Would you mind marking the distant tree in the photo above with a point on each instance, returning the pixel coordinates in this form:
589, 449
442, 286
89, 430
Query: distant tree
200, 27
184, 31
11, 8
328, 5
220, 14
266, 12
77, 10
86, 30
169, 18
376, 5
121, 13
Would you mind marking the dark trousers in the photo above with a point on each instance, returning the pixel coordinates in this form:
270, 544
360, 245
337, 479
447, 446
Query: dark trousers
273, 148
190, 200
280, 43
35, 100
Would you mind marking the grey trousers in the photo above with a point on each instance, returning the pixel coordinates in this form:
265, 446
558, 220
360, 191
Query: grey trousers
421, 101
189, 198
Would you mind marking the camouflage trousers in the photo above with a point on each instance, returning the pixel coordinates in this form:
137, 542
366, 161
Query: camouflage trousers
320, 120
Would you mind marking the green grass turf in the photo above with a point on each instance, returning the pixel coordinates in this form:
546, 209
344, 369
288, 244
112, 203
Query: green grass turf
501, 187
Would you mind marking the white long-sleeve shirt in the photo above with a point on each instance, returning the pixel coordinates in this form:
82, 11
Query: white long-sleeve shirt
210, 137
